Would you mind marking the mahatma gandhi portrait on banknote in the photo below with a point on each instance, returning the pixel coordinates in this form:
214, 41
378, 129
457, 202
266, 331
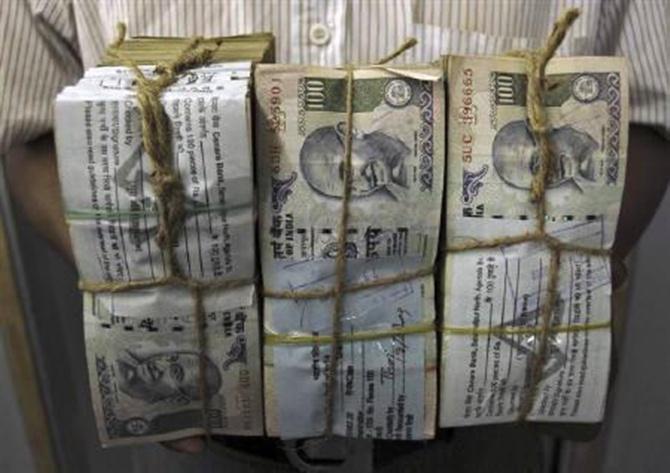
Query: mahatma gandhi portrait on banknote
494, 154
171, 376
377, 162
516, 159
386, 388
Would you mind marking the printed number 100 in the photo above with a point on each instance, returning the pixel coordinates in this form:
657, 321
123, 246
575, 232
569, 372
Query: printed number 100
504, 89
315, 94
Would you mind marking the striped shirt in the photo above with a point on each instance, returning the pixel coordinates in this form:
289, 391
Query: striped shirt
45, 44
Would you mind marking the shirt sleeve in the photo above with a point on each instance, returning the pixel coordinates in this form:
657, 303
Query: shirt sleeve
638, 30
38, 57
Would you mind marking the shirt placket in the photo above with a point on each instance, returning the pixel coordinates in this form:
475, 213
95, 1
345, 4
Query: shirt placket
318, 31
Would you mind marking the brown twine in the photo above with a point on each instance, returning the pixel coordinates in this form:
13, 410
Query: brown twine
332, 292
121, 30
536, 63
407, 44
341, 259
169, 191
112, 286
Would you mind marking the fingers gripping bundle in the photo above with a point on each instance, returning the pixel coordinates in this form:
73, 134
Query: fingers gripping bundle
155, 165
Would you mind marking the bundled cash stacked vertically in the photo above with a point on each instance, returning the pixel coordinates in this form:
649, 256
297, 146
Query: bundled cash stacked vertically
147, 379
385, 374
351, 167
494, 294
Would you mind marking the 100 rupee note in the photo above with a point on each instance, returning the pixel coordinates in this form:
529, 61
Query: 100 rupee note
145, 371
492, 152
386, 387
141, 344
493, 297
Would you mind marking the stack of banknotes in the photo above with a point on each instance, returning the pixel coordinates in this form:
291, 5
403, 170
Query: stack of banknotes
150, 50
441, 155
490, 299
142, 344
385, 387
498, 293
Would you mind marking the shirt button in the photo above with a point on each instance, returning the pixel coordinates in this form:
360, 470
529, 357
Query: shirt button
319, 34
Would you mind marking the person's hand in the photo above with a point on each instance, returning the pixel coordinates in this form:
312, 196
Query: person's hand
33, 181
190, 445
647, 177
32, 178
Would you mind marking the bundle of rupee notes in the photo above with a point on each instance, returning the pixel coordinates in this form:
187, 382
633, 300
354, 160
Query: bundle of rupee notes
372, 251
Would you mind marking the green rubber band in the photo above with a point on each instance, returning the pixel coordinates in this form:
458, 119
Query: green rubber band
121, 214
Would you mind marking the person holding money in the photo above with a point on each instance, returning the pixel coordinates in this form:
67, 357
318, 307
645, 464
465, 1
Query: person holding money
45, 44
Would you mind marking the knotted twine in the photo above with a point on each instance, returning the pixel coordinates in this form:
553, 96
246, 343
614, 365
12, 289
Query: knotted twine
170, 194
